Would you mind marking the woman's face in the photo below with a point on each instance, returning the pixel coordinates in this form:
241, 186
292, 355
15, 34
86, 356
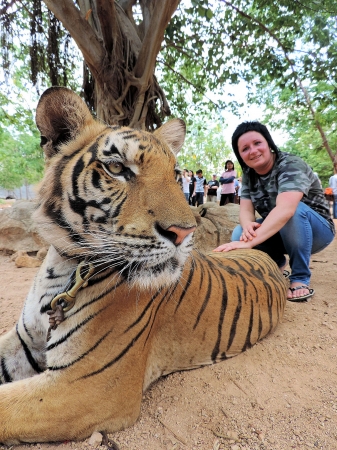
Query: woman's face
255, 152
229, 166
190, 173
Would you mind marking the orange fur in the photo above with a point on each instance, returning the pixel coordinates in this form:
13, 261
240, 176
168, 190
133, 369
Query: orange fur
153, 305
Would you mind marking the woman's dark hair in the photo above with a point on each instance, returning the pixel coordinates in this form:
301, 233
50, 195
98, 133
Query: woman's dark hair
229, 161
243, 128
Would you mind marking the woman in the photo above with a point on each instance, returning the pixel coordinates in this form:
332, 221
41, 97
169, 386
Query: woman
285, 192
227, 183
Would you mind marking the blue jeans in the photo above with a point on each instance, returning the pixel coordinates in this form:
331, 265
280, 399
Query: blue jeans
187, 196
304, 234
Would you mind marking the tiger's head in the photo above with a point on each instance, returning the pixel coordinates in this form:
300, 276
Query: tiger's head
110, 194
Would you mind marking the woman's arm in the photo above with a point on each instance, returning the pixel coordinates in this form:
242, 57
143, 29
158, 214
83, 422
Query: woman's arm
286, 204
227, 180
253, 233
247, 212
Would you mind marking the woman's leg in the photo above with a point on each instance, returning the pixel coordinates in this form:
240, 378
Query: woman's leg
237, 233
273, 246
304, 234
223, 199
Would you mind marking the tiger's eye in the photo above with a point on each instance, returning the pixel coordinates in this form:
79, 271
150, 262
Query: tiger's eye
115, 167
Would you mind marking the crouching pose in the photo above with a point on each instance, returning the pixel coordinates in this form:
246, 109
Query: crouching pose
283, 189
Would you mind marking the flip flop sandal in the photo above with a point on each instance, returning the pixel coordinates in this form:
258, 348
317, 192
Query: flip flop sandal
303, 298
286, 273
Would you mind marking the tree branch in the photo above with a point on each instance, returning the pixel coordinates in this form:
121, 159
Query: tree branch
145, 65
81, 32
128, 29
6, 7
106, 13
162, 14
126, 6
188, 82
298, 80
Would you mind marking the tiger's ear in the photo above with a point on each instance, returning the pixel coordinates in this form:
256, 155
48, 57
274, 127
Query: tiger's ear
173, 133
60, 116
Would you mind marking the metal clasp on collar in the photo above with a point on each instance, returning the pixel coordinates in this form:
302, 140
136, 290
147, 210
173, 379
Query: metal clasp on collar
69, 296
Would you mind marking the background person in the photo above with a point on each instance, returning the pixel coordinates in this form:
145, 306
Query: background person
333, 185
227, 183
212, 189
283, 189
200, 188
186, 184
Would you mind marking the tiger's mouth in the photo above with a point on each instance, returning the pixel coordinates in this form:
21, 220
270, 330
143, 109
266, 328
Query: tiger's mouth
151, 264
133, 267
153, 276
146, 275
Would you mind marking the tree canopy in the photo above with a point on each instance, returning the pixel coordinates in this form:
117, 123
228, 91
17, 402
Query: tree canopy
136, 62
21, 158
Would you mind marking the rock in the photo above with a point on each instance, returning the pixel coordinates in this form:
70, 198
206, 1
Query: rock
13, 256
205, 236
17, 229
42, 253
215, 225
24, 260
95, 439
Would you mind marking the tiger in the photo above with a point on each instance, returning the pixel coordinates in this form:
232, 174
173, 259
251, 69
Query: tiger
121, 298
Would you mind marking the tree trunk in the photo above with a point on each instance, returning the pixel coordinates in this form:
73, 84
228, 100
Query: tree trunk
121, 56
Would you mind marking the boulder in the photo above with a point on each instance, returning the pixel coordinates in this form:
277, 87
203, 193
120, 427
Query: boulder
17, 229
215, 226
95, 439
24, 260
42, 253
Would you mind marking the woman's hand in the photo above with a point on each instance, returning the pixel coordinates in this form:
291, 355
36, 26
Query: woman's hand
286, 204
232, 246
248, 233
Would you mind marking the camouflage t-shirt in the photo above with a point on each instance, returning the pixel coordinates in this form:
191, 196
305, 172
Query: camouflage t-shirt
289, 173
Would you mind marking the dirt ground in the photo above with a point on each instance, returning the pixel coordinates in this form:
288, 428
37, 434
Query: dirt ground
281, 394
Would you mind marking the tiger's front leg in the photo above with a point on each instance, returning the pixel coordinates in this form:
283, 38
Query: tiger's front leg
22, 350
66, 404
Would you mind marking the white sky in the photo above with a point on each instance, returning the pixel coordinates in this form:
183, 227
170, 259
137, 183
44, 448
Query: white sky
247, 112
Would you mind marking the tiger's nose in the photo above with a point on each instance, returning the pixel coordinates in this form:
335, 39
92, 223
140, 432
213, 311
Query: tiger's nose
180, 233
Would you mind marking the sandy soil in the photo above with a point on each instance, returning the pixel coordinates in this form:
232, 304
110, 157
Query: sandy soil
281, 394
